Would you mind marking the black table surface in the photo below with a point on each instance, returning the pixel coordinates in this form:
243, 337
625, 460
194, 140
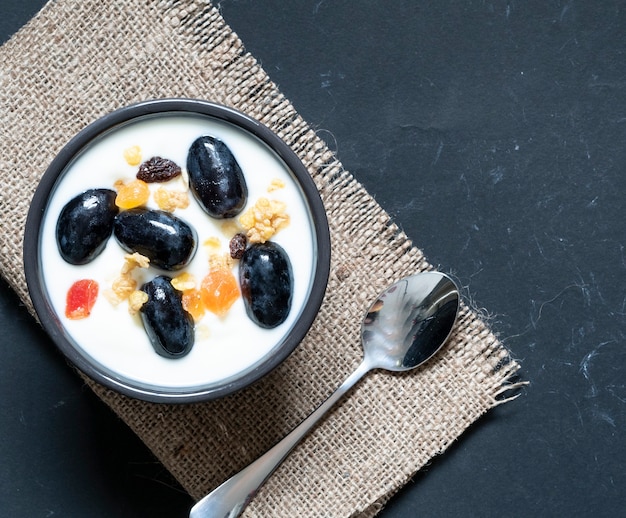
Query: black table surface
494, 133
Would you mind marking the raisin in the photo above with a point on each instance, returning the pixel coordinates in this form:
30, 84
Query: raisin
237, 245
157, 169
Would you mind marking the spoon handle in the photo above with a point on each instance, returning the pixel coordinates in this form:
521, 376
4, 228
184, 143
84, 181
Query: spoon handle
231, 498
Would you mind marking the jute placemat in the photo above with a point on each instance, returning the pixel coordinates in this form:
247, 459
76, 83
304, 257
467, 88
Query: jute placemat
77, 60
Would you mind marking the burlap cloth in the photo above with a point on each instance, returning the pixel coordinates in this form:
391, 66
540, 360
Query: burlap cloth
77, 60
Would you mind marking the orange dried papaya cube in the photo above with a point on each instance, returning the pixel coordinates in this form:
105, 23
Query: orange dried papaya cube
219, 291
192, 303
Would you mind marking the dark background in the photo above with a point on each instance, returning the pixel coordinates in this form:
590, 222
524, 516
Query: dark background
494, 133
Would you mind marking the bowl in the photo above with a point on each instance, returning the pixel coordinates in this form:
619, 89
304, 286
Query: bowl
164, 330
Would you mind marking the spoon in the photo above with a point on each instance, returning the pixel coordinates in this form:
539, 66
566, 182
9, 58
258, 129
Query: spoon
409, 322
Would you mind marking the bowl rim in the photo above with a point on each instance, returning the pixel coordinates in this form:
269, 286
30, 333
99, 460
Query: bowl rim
108, 123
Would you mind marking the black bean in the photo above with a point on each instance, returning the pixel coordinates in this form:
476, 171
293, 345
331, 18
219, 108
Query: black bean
266, 280
215, 178
169, 327
85, 224
169, 242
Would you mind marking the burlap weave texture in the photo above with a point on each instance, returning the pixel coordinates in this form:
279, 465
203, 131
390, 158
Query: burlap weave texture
77, 60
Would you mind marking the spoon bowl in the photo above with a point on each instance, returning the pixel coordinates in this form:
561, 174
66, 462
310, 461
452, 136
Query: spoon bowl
406, 325
409, 322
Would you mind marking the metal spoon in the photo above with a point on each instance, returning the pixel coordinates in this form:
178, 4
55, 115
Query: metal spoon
407, 325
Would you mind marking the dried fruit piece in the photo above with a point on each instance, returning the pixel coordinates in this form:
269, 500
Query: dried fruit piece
80, 299
237, 245
192, 302
219, 290
85, 225
157, 169
132, 194
132, 155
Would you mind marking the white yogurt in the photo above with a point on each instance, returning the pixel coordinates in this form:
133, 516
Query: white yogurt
224, 347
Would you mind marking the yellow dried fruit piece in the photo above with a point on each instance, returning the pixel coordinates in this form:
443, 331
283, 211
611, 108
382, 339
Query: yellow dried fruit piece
132, 155
192, 300
193, 304
170, 200
264, 219
132, 194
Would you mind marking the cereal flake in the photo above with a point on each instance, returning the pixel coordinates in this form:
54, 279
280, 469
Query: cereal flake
170, 200
264, 219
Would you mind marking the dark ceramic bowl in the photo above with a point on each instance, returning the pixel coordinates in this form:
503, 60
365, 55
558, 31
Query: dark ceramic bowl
111, 346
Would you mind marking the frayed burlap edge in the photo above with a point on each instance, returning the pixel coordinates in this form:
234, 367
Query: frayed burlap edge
74, 62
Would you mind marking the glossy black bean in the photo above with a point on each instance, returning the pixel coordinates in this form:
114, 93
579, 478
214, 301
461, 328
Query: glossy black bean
266, 280
169, 327
85, 224
169, 242
215, 178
